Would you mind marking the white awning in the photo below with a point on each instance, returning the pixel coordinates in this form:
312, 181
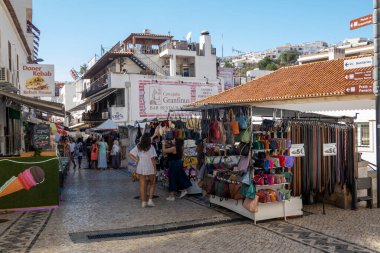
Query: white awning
41, 105
93, 99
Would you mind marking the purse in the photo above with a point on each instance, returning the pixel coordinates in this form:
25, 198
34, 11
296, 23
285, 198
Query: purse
259, 180
243, 164
262, 196
235, 191
244, 149
272, 195
242, 121
233, 123
246, 136
251, 205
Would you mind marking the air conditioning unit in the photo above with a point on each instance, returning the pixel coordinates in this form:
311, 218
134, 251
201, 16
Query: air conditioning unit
104, 115
5, 75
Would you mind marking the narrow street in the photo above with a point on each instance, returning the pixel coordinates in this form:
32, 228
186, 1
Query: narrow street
99, 213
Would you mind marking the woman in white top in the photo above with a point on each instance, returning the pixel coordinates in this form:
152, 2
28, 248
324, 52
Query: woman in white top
144, 154
115, 153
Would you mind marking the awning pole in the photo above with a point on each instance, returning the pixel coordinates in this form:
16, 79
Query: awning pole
376, 77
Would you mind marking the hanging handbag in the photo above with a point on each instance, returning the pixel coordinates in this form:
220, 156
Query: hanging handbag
246, 136
243, 163
235, 191
244, 149
246, 178
234, 124
251, 205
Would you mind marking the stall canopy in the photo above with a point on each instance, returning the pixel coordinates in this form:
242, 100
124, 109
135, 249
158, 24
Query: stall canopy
106, 126
41, 105
93, 99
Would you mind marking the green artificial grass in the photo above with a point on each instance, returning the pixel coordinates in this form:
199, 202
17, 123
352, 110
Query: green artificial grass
44, 194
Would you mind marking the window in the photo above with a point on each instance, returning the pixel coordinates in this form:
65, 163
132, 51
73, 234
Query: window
363, 134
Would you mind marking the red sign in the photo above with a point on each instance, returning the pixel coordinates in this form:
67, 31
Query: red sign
358, 75
358, 88
360, 22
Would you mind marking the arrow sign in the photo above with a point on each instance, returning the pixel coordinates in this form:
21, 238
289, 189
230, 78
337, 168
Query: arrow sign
358, 63
358, 89
358, 75
360, 22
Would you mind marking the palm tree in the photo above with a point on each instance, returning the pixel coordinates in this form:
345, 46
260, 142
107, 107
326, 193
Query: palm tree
83, 69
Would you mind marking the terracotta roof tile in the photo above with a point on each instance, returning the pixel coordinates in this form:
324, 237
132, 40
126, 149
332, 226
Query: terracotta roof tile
319, 79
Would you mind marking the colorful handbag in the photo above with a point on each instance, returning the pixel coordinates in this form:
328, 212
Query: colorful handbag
262, 196
233, 123
251, 205
242, 121
259, 180
272, 195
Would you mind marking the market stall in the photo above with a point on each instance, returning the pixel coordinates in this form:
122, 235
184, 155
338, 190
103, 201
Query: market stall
259, 164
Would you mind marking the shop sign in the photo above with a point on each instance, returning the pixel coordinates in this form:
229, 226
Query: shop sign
359, 89
359, 75
41, 136
37, 80
362, 62
297, 150
156, 99
329, 149
360, 22
228, 76
118, 114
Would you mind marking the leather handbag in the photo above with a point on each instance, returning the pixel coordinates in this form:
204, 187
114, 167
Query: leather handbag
270, 178
235, 191
262, 196
246, 136
242, 122
251, 205
272, 195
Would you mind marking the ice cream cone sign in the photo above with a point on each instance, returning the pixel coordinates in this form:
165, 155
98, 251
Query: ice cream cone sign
26, 180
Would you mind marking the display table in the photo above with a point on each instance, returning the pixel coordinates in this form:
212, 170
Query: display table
271, 210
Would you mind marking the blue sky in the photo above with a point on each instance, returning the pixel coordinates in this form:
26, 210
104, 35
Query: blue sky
73, 30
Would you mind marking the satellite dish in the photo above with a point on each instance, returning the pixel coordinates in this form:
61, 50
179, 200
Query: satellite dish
188, 37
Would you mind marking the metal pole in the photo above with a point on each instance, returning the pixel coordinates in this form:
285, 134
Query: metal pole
376, 77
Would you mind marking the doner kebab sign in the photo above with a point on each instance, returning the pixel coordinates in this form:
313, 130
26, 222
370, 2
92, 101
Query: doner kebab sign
37, 80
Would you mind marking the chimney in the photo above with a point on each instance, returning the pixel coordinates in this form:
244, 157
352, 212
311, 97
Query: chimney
336, 53
205, 43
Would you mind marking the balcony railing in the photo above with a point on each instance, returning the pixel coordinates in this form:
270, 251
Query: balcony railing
96, 86
94, 116
179, 45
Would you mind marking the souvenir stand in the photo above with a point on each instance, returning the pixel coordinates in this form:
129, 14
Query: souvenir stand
261, 169
179, 126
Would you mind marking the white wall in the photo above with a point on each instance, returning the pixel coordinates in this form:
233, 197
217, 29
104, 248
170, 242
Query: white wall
9, 33
368, 154
68, 94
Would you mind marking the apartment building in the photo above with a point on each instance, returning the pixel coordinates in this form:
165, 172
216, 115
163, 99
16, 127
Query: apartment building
145, 76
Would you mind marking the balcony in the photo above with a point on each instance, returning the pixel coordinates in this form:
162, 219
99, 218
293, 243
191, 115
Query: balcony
96, 86
94, 116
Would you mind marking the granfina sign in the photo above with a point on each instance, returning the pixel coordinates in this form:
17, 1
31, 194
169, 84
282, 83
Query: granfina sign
157, 98
37, 80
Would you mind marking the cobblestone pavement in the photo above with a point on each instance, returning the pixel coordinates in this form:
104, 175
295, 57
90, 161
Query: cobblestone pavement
102, 202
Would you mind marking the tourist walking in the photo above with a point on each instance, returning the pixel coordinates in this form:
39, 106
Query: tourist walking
79, 152
115, 154
88, 151
72, 151
102, 155
178, 180
145, 156
94, 154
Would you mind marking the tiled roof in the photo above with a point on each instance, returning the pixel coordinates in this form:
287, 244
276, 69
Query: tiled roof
319, 79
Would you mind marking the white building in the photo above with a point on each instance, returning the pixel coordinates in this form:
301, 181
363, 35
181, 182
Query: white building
146, 75
351, 47
18, 46
67, 95
256, 73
